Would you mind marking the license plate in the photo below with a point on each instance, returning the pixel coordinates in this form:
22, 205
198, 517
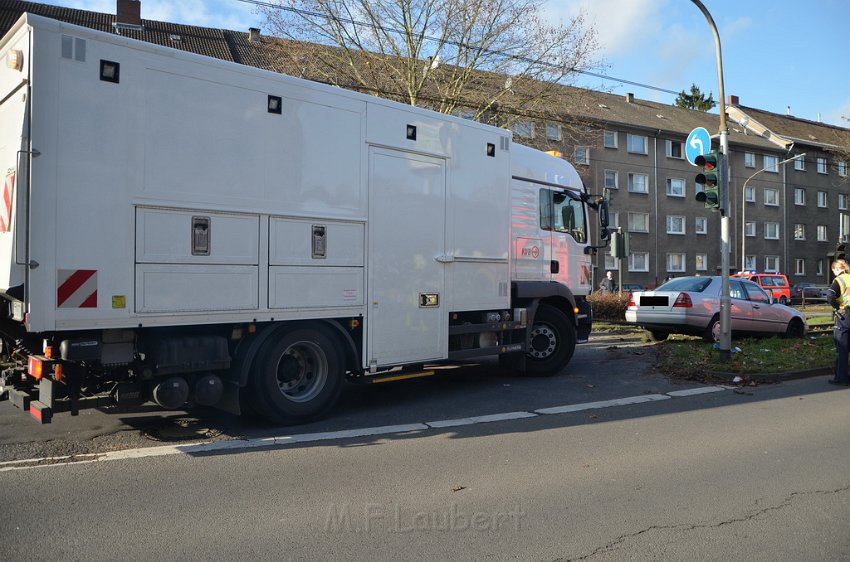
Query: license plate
653, 301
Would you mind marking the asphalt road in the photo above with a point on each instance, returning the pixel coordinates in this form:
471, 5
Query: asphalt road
744, 474
610, 367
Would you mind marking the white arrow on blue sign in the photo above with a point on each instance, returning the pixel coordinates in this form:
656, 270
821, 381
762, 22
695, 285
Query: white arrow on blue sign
698, 143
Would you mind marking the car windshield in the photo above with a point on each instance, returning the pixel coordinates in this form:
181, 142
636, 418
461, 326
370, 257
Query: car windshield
693, 284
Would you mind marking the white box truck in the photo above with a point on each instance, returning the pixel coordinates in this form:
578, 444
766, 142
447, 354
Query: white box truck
185, 230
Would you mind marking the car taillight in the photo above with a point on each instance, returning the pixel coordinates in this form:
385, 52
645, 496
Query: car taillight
631, 299
683, 301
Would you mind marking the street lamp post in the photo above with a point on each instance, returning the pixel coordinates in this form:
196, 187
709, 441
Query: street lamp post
744, 209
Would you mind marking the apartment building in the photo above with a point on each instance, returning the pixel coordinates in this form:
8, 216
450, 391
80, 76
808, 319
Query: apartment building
788, 189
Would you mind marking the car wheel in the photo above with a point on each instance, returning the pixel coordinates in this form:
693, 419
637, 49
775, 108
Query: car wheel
795, 329
712, 332
783, 300
552, 342
656, 335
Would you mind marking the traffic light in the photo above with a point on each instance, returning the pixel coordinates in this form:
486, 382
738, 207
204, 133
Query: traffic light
618, 249
709, 177
841, 251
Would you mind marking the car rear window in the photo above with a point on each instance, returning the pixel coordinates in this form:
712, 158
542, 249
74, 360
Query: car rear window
693, 284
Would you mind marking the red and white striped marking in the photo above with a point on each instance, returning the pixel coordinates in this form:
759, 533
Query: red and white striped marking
6, 209
77, 288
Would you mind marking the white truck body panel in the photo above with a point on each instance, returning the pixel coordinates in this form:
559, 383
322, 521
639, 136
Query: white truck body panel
411, 229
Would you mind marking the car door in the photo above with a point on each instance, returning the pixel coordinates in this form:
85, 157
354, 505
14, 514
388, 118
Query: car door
741, 309
764, 318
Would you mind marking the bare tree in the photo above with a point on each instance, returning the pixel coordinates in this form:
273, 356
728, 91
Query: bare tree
495, 60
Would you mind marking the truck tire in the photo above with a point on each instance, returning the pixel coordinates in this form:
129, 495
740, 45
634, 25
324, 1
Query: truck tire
298, 376
552, 342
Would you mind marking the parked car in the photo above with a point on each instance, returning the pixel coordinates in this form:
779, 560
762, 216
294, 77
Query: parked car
776, 284
631, 287
691, 305
808, 292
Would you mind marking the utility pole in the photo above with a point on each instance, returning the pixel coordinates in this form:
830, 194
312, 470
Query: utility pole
725, 301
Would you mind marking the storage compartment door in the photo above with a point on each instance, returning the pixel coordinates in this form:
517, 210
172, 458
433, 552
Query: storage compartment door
407, 319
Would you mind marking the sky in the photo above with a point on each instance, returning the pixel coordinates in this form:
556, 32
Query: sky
778, 55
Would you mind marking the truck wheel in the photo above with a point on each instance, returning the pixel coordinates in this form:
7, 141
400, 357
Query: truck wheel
552, 342
297, 377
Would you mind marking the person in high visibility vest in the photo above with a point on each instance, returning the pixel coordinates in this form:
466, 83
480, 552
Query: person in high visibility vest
839, 298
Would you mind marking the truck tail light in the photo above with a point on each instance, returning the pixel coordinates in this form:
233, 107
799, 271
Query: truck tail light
35, 367
683, 301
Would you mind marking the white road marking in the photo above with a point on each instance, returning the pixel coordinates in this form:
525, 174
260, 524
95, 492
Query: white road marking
284, 440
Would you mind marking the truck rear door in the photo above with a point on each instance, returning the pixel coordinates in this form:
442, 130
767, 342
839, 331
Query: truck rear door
14, 157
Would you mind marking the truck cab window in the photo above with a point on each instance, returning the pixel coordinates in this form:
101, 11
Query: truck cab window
560, 212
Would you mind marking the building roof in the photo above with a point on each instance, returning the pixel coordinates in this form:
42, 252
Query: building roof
599, 107
222, 44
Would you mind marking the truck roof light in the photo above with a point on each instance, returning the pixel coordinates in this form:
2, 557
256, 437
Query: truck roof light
15, 59
109, 71
276, 105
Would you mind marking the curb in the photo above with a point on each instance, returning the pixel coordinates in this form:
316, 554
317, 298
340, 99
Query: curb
778, 377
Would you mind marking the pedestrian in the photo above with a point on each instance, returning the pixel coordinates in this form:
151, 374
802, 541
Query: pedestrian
607, 285
839, 298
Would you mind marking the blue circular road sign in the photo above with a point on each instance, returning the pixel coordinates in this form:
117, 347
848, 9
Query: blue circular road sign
698, 143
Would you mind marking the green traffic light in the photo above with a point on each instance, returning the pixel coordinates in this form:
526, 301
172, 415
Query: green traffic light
710, 197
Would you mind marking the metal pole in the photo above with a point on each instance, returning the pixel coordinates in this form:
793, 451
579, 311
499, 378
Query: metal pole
725, 301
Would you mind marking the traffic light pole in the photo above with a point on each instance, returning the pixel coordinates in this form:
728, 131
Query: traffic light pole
725, 302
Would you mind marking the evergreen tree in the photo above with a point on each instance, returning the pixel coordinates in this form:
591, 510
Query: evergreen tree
695, 100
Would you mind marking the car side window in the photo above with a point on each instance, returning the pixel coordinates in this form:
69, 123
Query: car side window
756, 293
736, 291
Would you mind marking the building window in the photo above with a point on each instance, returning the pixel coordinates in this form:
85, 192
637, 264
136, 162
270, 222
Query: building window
675, 224
750, 194
822, 233
821, 165
842, 201
771, 231
553, 131
676, 262
749, 160
750, 263
638, 183
613, 219
638, 222
701, 225
639, 261
799, 163
819, 268
822, 199
771, 164
612, 179
610, 261
771, 264
750, 229
701, 262
842, 169
582, 155
799, 232
799, 266
771, 197
675, 187
636, 144
609, 139
799, 196
674, 149
523, 129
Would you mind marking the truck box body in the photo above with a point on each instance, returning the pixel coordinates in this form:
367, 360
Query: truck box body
148, 188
